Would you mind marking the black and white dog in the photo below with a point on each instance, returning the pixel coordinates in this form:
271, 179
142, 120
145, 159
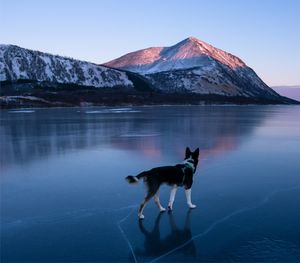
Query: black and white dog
178, 175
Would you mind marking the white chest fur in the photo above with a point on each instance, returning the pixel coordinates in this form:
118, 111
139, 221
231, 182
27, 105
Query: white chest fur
189, 163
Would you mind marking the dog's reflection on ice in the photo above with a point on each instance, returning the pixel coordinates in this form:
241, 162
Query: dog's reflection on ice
155, 246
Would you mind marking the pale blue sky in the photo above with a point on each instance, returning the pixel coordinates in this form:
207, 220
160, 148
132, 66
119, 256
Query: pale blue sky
263, 33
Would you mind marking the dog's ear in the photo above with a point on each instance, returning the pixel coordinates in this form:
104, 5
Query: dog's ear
187, 152
196, 153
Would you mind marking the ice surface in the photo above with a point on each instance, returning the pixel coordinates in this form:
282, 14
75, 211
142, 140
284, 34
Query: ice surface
64, 197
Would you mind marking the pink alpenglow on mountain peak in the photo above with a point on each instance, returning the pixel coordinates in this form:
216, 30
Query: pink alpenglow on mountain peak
191, 52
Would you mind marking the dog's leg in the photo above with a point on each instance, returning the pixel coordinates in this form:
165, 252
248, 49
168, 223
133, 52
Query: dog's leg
188, 198
172, 197
156, 199
151, 192
142, 206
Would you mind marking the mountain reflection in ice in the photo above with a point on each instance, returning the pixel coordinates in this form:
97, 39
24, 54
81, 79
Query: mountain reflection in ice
153, 131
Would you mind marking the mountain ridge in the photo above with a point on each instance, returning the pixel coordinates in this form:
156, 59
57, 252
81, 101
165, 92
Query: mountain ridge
17, 63
189, 72
193, 65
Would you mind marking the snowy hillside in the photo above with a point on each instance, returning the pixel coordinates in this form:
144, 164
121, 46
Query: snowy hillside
188, 53
195, 66
22, 64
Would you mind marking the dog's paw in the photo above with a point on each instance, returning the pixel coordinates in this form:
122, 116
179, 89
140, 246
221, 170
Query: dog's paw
141, 216
162, 209
192, 206
170, 208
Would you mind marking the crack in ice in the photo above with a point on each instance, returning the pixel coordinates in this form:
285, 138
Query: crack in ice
216, 223
123, 233
67, 215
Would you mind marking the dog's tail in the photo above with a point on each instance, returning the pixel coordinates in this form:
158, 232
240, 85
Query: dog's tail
132, 179
135, 179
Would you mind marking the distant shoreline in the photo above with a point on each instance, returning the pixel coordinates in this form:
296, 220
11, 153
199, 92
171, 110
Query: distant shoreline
18, 95
94, 98
292, 92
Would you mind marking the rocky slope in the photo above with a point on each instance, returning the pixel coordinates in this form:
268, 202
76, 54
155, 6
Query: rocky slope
23, 65
195, 66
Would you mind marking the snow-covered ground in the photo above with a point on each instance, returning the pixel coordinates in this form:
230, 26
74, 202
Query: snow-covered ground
22, 64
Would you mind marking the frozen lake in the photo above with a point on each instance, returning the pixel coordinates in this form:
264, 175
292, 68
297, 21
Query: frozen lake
64, 197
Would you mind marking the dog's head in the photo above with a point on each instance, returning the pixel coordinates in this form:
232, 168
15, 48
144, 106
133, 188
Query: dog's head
192, 157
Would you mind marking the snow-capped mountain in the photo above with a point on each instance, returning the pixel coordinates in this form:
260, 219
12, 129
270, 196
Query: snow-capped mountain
188, 53
190, 72
20, 64
194, 66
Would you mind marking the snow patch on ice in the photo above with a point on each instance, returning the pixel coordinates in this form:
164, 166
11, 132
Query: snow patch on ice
140, 135
21, 111
105, 111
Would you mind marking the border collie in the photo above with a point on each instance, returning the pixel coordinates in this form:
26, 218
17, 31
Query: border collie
177, 175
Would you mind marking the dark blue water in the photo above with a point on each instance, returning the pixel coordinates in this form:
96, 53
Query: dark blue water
64, 197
